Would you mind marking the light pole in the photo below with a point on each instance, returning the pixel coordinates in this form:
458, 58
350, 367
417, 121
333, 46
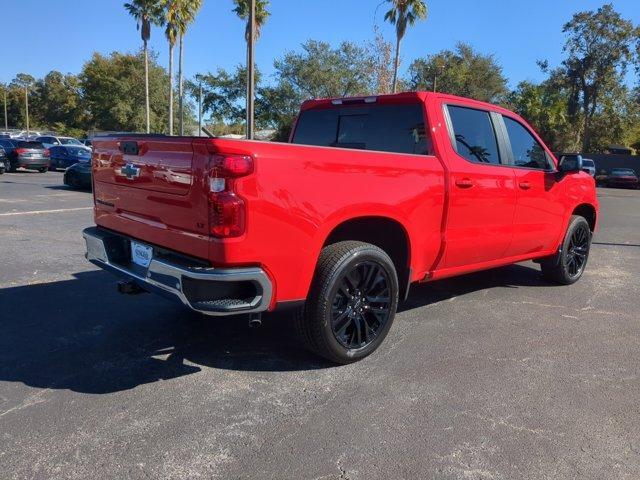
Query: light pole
26, 104
250, 69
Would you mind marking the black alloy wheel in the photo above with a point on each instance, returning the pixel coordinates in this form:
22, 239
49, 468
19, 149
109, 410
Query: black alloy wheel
361, 305
568, 265
351, 304
575, 258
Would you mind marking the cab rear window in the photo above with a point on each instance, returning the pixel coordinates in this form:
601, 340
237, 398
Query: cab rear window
385, 128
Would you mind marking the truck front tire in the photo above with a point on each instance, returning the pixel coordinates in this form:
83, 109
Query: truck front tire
352, 302
567, 266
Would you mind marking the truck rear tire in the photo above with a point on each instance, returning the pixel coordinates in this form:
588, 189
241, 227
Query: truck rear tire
352, 302
567, 266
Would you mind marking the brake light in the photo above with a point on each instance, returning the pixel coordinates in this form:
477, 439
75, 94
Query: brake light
227, 210
232, 166
47, 153
20, 151
227, 217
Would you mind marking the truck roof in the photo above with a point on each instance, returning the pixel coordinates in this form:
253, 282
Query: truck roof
399, 98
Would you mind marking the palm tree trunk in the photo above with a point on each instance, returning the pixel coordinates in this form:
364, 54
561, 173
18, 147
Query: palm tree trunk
181, 87
396, 64
170, 88
146, 86
251, 71
26, 106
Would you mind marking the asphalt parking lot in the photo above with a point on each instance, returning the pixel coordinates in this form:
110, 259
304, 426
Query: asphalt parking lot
495, 375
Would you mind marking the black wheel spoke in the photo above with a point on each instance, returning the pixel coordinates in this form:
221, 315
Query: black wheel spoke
352, 284
378, 299
371, 272
343, 290
358, 325
340, 330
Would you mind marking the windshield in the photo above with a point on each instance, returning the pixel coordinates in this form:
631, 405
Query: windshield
70, 141
622, 171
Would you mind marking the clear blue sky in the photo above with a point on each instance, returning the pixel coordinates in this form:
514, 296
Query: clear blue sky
44, 35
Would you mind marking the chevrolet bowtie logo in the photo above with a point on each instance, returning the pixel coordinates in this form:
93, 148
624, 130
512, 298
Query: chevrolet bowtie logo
130, 171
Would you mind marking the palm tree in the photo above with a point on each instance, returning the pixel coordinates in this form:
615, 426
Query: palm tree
173, 19
146, 13
243, 10
188, 11
403, 13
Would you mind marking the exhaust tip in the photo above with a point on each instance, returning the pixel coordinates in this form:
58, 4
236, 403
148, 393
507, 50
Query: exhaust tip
255, 321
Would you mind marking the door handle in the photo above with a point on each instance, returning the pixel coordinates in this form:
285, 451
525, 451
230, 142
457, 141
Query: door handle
464, 183
525, 185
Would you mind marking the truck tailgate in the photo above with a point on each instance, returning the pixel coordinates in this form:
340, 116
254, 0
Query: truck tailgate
152, 189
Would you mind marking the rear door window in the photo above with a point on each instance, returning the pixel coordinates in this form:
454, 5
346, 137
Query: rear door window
474, 135
385, 128
527, 151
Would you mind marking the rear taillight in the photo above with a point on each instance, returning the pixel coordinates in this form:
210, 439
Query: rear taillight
20, 151
227, 210
47, 153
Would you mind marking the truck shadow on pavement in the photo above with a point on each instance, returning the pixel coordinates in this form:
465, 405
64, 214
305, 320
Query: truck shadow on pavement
80, 335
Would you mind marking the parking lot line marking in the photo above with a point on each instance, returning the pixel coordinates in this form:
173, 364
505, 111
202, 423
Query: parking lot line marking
42, 212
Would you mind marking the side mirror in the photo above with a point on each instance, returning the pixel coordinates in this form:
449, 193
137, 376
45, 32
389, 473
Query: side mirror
571, 163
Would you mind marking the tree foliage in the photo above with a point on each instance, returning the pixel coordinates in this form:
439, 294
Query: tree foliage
113, 92
261, 15
599, 47
317, 70
585, 104
462, 71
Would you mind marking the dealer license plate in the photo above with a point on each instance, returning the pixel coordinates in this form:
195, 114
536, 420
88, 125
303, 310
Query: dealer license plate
141, 254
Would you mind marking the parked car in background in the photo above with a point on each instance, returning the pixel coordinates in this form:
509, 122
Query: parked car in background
25, 154
86, 142
51, 141
65, 156
78, 175
623, 177
4, 166
601, 177
589, 166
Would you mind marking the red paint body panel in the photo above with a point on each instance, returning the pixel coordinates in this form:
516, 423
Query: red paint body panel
297, 195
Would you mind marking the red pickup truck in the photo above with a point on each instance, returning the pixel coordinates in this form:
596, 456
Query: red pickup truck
370, 195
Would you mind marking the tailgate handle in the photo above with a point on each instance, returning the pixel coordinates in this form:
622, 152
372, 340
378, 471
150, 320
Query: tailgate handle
129, 148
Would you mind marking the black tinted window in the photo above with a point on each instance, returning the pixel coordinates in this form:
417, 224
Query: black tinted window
386, 128
527, 152
30, 145
474, 135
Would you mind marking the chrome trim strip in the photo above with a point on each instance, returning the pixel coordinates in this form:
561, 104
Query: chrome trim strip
97, 254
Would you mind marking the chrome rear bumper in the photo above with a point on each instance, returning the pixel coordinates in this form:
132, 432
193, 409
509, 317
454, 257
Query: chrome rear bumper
210, 291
